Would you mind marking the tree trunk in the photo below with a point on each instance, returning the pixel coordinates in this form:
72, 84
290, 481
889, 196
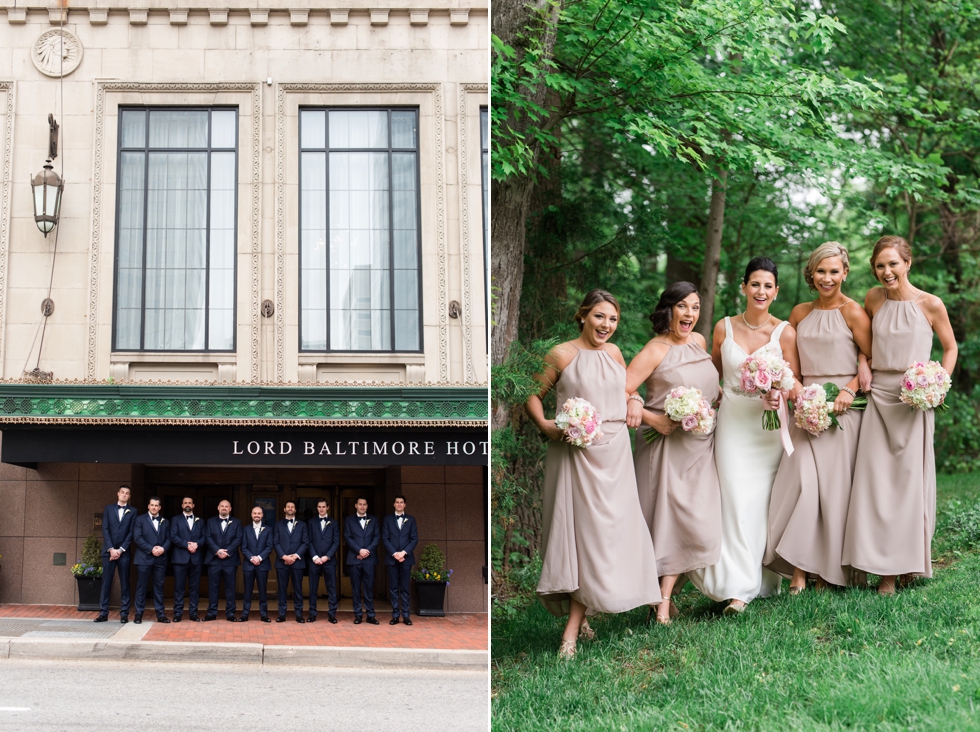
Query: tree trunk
712, 254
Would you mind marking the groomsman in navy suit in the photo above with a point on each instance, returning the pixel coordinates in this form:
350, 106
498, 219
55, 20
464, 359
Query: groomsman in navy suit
256, 548
152, 538
362, 535
291, 545
223, 536
324, 535
400, 536
117, 535
187, 557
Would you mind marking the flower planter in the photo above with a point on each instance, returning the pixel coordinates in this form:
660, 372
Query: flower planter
432, 597
89, 593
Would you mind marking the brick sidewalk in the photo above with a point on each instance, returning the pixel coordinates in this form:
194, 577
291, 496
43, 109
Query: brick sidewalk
456, 631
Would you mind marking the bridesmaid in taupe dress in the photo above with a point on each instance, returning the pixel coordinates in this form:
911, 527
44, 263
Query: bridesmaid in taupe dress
675, 475
892, 511
812, 489
596, 550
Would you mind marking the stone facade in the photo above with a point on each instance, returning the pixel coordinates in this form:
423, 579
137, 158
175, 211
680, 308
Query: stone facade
85, 63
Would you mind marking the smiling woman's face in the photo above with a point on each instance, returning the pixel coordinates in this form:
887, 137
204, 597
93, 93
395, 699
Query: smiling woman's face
890, 269
684, 315
760, 290
600, 324
828, 275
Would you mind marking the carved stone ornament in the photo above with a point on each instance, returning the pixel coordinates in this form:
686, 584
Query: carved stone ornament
57, 52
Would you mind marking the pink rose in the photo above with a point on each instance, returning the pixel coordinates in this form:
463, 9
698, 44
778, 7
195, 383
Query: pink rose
590, 427
908, 384
748, 383
574, 432
922, 380
689, 422
763, 380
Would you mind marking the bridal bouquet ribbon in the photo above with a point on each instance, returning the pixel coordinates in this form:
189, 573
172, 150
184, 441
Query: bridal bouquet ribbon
759, 374
814, 407
689, 407
924, 386
580, 422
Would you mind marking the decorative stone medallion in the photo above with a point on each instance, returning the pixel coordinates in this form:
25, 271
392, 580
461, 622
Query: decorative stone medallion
57, 52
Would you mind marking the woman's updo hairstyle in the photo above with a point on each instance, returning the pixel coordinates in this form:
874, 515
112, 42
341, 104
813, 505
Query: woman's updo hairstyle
590, 301
825, 251
672, 294
760, 263
896, 242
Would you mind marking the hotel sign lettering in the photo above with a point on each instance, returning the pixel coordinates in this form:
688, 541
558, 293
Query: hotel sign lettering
256, 446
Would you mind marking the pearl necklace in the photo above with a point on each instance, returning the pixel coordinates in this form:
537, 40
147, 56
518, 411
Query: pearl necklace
755, 327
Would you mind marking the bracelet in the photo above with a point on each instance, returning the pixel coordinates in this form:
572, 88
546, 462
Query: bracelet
849, 390
635, 398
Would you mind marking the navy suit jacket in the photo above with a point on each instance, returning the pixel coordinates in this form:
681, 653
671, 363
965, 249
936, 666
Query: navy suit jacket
229, 540
145, 538
294, 543
357, 538
180, 535
117, 534
399, 540
324, 543
260, 547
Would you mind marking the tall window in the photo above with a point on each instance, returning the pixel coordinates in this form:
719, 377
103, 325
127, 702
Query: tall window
175, 230
359, 230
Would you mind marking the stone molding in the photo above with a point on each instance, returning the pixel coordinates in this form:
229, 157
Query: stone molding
436, 91
95, 265
469, 374
7, 87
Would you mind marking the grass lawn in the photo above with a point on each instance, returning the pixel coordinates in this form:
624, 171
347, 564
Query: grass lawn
834, 660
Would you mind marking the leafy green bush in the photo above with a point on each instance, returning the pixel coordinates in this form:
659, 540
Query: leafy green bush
958, 433
91, 564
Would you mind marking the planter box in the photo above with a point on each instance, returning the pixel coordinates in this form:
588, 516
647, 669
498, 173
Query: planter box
89, 592
432, 598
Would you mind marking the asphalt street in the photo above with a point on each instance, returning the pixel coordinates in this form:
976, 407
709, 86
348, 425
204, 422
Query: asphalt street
77, 696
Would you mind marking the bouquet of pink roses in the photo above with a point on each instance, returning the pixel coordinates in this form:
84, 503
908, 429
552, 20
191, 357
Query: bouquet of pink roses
924, 386
759, 374
580, 422
813, 408
689, 407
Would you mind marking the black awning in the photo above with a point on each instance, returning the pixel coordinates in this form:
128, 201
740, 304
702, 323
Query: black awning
29, 445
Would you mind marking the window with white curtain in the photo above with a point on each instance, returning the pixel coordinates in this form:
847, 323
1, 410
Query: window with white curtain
175, 230
359, 230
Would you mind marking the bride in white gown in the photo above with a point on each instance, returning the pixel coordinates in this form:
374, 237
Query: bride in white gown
746, 455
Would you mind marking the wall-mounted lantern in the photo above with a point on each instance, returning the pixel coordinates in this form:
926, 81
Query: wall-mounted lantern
47, 186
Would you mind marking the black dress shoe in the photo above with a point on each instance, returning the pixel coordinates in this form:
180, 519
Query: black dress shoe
138, 619
195, 619
243, 619
407, 621
332, 618
177, 618
123, 619
311, 619
299, 619
163, 619
231, 618
373, 621
393, 621
265, 619
101, 619
209, 618
357, 621
281, 619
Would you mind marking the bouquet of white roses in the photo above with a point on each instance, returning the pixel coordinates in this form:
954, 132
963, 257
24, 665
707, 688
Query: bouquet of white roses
924, 386
689, 407
580, 422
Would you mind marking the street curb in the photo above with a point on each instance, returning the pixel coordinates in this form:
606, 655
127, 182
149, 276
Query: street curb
364, 657
242, 653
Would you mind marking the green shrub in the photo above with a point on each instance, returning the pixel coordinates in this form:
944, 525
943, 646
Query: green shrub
958, 433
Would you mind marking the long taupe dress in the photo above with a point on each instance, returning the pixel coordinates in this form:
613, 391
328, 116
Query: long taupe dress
676, 475
596, 547
892, 511
808, 508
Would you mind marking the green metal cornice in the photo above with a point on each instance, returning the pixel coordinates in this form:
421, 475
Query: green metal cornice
306, 406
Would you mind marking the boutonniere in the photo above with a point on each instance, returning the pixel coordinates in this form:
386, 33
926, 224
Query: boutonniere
162, 519
125, 511
261, 529
367, 521
196, 519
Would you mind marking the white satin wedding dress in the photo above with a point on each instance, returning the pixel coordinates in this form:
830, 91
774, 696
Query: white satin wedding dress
747, 457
